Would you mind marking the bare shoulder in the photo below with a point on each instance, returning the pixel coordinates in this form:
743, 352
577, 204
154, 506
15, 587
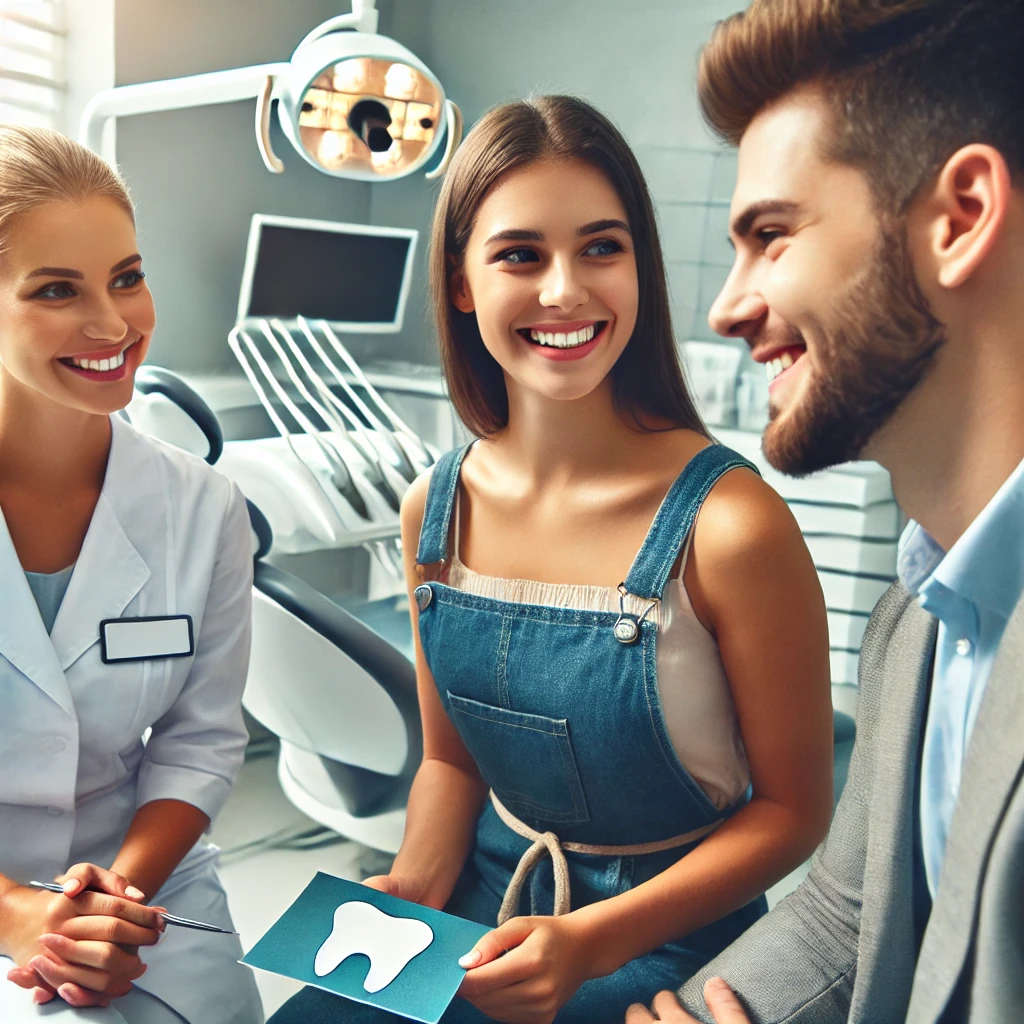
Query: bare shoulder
414, 504
745, 527
743, 517
749, 560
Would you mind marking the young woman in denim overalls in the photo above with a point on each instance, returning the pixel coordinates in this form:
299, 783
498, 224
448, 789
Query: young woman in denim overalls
614, 772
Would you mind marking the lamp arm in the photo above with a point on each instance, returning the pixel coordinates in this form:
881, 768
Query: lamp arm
364, 18
454, 138
172, 94
271, 160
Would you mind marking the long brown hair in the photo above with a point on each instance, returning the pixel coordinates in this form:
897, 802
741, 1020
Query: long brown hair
647, 382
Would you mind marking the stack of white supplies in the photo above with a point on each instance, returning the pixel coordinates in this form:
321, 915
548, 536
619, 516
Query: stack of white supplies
851, 524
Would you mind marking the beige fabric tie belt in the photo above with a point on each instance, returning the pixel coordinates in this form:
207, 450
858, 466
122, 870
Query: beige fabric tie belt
547, 844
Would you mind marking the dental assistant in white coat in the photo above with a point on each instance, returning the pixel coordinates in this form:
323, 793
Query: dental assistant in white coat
99, 522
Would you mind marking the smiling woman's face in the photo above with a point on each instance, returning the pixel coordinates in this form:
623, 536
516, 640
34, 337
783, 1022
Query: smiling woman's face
76, 315
550, 273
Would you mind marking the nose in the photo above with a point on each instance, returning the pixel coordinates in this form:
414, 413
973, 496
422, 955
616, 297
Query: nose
562, 287
739, 308
104, 322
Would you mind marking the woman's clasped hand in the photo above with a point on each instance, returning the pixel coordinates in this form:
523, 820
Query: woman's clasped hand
83, 944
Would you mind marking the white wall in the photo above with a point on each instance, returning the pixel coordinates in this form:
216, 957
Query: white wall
88, 56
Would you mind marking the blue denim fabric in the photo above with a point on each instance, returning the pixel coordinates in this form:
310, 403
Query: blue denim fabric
566, 726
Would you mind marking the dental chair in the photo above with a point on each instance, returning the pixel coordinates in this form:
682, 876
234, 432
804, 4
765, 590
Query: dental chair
341, 698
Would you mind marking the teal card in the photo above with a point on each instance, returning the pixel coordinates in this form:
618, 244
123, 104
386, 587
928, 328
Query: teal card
363, 944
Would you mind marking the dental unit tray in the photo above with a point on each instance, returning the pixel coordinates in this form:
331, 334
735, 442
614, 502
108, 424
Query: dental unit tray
335, 474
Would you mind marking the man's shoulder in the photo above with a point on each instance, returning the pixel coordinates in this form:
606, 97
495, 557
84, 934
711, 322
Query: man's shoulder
895, 660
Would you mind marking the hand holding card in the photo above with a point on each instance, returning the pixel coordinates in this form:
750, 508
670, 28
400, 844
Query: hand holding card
369, 946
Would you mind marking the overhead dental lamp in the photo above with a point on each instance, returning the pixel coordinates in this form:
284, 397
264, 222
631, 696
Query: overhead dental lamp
353, 103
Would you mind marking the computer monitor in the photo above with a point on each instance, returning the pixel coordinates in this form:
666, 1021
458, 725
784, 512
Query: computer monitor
355, 276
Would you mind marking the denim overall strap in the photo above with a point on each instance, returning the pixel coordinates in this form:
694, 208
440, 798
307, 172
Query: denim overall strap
676, 516
437, 515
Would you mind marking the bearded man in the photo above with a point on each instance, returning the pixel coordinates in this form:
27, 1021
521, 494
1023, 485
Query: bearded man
878, 222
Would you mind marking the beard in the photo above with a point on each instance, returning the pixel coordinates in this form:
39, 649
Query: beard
878, 344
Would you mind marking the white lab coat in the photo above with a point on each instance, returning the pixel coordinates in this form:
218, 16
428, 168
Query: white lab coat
169, 536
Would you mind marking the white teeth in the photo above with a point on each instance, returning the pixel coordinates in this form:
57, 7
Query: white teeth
570, 339
100, 365
775, 366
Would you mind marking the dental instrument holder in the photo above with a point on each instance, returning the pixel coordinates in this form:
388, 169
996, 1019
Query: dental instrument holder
420, 454
381, 539
342, 65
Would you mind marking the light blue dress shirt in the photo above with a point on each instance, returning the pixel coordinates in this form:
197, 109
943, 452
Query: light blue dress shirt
972, 590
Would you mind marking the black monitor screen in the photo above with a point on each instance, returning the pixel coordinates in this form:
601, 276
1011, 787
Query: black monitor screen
330, 275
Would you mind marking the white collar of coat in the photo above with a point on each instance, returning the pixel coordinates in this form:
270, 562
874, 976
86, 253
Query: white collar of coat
108, 574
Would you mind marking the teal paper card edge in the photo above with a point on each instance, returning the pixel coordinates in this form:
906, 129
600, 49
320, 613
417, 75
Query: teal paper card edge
425, 987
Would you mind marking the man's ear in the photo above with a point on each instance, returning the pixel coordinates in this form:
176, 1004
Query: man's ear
964, 212
458, 289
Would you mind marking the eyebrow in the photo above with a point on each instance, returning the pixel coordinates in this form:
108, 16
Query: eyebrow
515, 235
745, 221
77, 274
528, 235
603, 225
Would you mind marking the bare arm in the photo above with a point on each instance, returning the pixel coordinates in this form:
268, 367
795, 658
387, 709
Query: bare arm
447, 793
751, 580
161, 833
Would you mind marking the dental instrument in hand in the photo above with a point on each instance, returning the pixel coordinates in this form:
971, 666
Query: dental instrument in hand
182, 922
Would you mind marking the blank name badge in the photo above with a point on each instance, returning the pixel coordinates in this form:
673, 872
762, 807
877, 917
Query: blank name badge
141, 639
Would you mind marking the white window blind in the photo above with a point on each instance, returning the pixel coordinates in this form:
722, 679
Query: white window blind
32, 86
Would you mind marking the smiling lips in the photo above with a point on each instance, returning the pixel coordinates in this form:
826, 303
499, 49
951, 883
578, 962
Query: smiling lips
780, 361
564, 341
107, 368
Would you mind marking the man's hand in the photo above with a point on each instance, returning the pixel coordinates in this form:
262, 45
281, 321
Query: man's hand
721, 1000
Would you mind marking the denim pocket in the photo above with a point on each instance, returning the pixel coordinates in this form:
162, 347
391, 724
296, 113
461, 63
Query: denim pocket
526, 759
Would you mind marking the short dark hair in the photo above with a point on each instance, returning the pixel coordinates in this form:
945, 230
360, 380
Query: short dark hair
647, 380
909, 82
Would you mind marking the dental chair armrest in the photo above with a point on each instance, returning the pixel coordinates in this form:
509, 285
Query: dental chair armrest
151, 380
263, 535
389, 667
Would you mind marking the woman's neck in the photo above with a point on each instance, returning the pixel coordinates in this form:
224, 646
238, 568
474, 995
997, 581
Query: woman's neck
48, 448
551, 440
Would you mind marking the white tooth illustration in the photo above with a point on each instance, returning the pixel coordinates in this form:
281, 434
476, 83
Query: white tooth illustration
389, 942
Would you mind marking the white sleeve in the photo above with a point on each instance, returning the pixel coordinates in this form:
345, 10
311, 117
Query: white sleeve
197, 746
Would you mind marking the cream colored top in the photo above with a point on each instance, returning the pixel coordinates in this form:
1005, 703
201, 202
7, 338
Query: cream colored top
695, 696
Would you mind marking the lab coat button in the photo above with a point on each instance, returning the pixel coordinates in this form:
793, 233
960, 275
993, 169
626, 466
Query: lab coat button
55, 812
424, 595
54, 744
963, 647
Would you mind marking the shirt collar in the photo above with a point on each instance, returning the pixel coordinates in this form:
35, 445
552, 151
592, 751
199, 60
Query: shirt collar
986, 564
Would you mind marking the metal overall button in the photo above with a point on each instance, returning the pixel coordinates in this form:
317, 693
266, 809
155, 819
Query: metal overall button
626, 630
627, 627
424, 594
